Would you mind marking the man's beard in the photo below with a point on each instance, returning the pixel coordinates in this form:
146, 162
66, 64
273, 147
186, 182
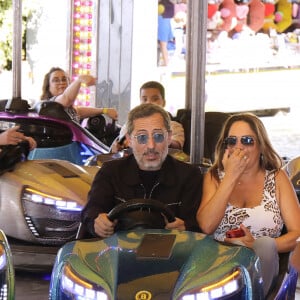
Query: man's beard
151, 164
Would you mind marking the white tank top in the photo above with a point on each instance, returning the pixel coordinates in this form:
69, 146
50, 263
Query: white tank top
262, 220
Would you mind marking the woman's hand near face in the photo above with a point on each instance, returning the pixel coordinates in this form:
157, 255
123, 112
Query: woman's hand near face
68, 97
235, 162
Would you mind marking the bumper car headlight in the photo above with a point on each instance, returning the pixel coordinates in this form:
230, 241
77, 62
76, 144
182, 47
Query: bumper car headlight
38, 197
3, 274
79, 288
225, 287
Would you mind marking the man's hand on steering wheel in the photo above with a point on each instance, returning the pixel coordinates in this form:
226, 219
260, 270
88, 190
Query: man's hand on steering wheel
177, 224
103, 226
162, 217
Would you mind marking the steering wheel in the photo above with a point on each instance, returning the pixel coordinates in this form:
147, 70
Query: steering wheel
141, 213
103, 131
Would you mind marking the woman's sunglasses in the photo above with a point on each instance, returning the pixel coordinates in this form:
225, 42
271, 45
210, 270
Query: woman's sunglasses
246, 140
57, 80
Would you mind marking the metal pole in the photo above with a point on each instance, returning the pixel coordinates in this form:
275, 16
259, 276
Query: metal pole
195, 86
17, 48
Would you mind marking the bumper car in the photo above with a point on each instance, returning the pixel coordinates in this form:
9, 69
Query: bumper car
7, 279
40, 201
142, 261
57, 136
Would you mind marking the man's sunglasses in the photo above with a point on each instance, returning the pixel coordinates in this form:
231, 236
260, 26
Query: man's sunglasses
246, 140
143, 138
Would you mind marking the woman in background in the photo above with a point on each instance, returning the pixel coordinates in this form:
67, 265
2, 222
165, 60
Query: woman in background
56, 87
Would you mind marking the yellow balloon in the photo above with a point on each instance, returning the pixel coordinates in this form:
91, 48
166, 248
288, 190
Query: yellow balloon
161, 9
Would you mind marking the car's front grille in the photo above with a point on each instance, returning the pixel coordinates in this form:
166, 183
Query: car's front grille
52, 229
50, 225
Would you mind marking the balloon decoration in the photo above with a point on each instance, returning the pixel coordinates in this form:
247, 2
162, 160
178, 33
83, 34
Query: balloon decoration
234, 16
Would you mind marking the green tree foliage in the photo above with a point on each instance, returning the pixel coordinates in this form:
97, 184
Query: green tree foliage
5, 34
6, 30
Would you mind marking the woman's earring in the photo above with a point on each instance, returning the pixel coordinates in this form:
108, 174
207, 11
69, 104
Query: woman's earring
261, 158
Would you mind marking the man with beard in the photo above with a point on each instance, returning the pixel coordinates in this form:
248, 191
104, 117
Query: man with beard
148, 173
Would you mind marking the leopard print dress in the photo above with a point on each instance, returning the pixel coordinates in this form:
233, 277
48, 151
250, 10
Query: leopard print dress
262, 220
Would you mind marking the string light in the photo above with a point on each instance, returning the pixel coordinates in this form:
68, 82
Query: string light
82, 45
